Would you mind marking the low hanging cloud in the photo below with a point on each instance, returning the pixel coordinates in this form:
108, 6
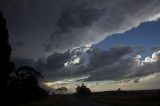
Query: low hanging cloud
117, 63
127, 68
23, 61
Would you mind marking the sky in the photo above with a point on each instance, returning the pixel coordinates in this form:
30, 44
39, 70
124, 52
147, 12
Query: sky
107, 44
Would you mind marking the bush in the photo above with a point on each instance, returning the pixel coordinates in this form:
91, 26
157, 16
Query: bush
24, 87
83, 90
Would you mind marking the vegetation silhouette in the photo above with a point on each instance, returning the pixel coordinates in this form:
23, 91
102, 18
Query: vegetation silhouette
119, 89
17, 85
83, 90
5, 64
24, 85
61, 90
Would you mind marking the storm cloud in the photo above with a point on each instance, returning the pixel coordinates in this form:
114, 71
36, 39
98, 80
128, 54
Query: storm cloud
126, 68
117, 63
52, 36
58, 25
91, 21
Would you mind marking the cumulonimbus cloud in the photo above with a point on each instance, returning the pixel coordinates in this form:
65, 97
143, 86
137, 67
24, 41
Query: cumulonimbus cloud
92, 21
116, 63
59, 25
75, 23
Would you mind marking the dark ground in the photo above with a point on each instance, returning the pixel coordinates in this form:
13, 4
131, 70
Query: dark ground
110, 98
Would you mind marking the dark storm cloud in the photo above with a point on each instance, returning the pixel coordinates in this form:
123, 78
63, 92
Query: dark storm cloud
119, 70
111, 64
100, 67
57, 60
58, 25
73, 19
148, 68
17, 44
116, 63
47, 47
77, 17
92, 21
64, 24
53, 62
125, 68
99, 58
23, 61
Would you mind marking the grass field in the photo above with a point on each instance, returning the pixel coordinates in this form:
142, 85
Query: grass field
111, 98
127, 98
49, 101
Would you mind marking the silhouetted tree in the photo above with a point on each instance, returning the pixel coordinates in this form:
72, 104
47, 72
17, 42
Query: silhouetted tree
61, 90
6, 66
25, 87
83, 90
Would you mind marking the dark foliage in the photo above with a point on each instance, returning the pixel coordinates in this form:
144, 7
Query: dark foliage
83, 90
24, 86
61, 90
5, 64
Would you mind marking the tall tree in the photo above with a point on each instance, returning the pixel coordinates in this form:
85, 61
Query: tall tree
6, 67
25, 86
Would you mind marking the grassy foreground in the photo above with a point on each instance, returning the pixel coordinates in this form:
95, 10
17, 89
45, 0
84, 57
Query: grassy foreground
127, 98
50, 101
111, 98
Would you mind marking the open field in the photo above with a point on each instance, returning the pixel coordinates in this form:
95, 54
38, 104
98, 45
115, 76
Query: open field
109, 98
127, 98
50, 101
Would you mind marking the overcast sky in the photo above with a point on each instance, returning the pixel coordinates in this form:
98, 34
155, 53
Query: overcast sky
104, 42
